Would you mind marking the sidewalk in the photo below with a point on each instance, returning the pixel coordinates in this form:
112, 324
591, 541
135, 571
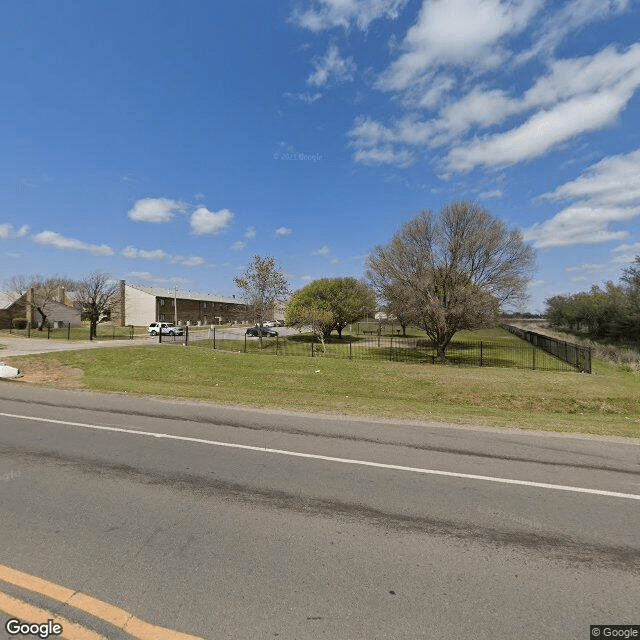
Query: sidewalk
11, 345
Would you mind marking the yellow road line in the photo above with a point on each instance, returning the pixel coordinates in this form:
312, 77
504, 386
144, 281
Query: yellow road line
27, 612
102, 610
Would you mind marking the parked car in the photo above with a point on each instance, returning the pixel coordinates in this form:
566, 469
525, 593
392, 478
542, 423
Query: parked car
270, 323
166, 328
265, 332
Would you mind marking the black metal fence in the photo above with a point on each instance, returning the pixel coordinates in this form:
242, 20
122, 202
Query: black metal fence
575, 355
64, 331
479, 353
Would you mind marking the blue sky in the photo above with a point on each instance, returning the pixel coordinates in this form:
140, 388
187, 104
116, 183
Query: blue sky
167, 142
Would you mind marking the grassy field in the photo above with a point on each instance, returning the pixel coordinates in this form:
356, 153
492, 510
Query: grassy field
604, 403
489, 347
105, 332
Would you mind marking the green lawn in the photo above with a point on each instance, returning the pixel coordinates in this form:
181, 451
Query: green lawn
605, 403
488, 348
105, 332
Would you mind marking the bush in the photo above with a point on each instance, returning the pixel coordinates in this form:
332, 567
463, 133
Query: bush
19, 323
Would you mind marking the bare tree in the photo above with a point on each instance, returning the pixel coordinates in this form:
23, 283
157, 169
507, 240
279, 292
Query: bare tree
95, 297
39, 293
453, 271
263, 284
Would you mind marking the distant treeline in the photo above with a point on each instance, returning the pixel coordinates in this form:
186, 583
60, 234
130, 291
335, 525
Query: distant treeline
610, 313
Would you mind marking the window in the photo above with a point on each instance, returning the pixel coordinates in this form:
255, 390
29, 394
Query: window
161, 302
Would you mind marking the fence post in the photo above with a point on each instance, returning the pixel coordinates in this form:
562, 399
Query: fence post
186, 335
480, 352
48, 330
534, 356
350, 341
391, 349
312, 346
68, 331
130, 332
214, 337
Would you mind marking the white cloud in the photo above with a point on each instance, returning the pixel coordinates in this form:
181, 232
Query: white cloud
305, 96
155, 210
238, 246
384, 155
489, 195
570, 17
584, 77
331, 66
614, 180
626, 253
456, 32
591, 267
544, 130
327, 14
606, 192
284, 231
189, 261
580, 224
61, 242
634, 247
204, 221
574, 96
155, 278
250, 232
8, 231
323, 251
133, 253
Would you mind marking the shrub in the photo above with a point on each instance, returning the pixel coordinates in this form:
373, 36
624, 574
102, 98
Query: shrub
19, 323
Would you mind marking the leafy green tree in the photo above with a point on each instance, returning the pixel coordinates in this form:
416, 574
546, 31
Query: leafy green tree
330, 304
609, 313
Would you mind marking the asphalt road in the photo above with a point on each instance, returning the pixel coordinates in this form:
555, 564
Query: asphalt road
228, 523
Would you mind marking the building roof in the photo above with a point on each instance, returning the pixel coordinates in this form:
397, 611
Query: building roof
160, 292
7, 299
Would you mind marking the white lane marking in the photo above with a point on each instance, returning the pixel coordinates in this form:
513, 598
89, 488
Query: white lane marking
315, 456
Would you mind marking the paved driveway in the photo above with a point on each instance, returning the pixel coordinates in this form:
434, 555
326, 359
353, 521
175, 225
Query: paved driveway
12, 345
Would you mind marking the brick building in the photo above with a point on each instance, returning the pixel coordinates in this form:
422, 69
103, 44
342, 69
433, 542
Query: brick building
140, 306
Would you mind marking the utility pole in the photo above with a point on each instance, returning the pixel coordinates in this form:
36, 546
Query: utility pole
175, 306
